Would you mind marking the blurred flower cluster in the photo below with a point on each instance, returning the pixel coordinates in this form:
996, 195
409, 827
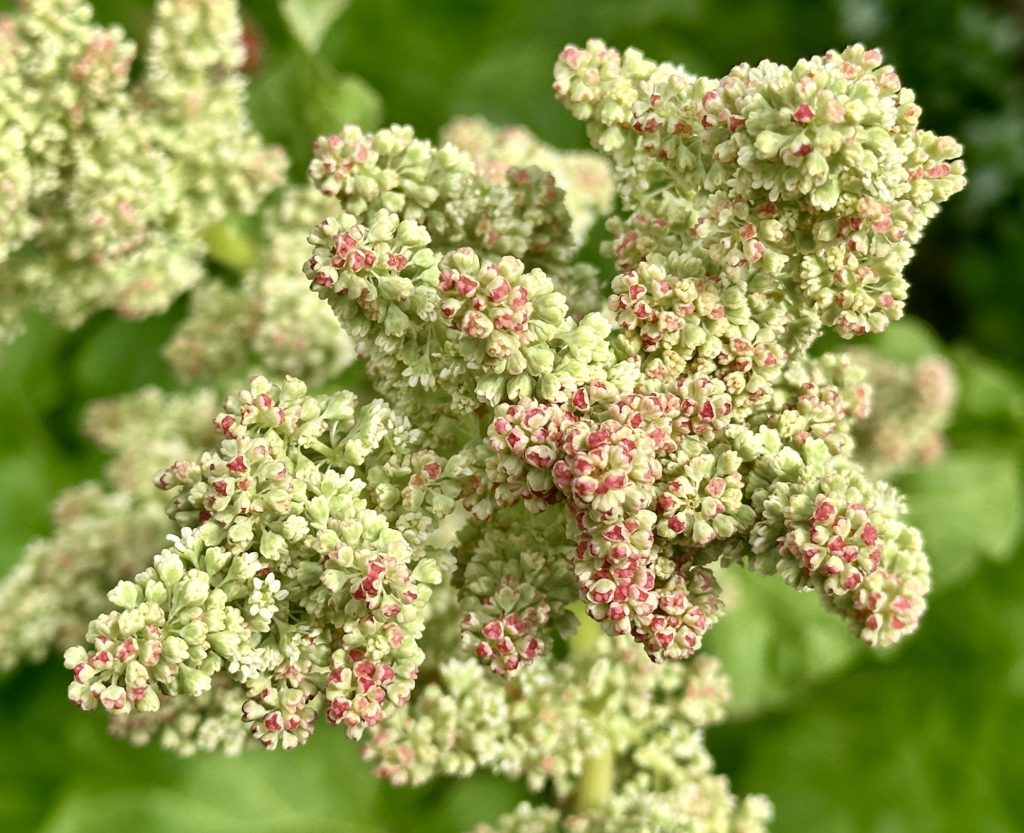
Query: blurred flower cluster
110, 171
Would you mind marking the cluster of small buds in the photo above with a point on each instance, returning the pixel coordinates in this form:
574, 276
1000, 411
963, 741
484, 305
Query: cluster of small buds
502, 632
283, 578
822, 524
661, 484
890, 602
704, 804
545, 723
515, 589
829, 535
585, 177
414, 487
445, 190
763, 172
610, 478
127, 173
683, 320
533, 432
380, 279
630, 473
161, 641
703, 502
822, 398
102, 529
284, 704
17, 122
194, 84
442, 190
269, 321
508, 317
473, 330
377, 665
912, 405
187, 725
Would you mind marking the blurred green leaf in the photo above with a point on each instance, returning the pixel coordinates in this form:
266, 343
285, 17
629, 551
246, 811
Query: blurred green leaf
229, 244
991, 401
115, 356
344, 99
928, 743
309, 20
775, 642
299, 97
907, 340
968, 505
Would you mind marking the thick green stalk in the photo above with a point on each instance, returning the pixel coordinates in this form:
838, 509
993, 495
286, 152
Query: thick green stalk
598, 777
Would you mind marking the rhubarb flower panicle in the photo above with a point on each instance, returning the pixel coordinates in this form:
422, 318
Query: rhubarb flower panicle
503, 552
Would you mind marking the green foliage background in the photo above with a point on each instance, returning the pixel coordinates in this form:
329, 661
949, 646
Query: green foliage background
926, 738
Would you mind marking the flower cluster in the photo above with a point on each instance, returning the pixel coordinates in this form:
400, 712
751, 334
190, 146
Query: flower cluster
911, 407
282, 578
557, 716
107, 180
455, 330
462, 200
104, 529
703, 805
515, 589
268, 322
569, 478
605, 455
585, 177
603, 712
815, 179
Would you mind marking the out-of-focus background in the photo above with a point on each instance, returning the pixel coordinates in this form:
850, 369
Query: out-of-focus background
924, 738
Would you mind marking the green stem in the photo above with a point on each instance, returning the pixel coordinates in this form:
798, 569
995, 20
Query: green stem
229, 245
598, 777
330, 454
596, 782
